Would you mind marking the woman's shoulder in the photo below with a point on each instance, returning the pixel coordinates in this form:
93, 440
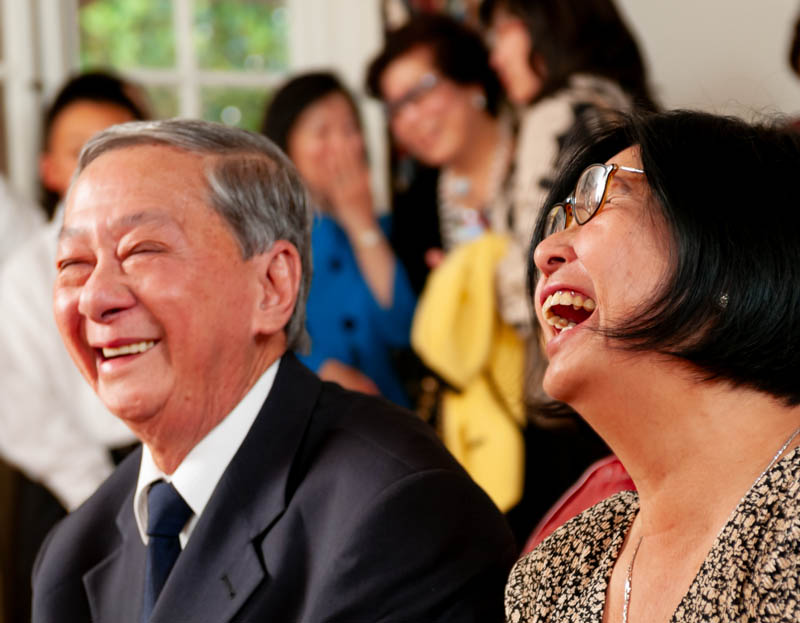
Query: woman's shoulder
566, 561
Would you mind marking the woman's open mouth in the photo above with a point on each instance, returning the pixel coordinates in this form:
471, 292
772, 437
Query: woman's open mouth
564, 310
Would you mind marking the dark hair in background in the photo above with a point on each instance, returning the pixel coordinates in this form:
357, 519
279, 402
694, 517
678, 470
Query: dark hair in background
725, 189
100, 87
794, 48
293, 98
579, 36
458, 53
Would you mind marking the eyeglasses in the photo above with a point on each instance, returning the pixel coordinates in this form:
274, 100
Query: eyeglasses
426, 84
586, 200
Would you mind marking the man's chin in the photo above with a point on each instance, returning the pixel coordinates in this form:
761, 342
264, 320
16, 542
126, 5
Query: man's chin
133, 409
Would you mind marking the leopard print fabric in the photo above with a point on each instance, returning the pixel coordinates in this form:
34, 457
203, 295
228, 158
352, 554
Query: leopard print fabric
750, 574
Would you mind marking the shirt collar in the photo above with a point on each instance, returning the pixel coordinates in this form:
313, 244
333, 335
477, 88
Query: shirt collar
198, 474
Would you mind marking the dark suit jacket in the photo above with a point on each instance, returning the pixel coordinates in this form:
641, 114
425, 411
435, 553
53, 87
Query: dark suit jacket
337, 507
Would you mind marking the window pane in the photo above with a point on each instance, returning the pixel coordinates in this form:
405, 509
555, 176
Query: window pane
241, 34
127, 33
240, 107
163, 101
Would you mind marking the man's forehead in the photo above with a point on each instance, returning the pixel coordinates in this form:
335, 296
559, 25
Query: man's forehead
134, 185
123, 221
144, 160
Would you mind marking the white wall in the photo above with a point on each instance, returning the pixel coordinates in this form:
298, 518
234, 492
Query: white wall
724, 56
346, 35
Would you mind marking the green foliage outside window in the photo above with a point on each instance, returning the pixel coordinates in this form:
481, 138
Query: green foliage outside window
241, 34
243, 108
127, 33
227, 35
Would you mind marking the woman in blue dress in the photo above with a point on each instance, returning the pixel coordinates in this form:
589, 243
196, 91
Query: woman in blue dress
361, 303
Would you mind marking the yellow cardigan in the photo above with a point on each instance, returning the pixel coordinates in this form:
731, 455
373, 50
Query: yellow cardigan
458, 333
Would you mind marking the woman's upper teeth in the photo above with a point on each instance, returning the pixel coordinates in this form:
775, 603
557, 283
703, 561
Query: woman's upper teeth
564, 298
568, 298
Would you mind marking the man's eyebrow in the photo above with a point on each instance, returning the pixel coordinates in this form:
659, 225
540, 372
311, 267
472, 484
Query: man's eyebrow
129, 220
70, 232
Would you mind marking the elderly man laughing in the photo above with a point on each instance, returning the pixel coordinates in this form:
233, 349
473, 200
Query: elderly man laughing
260, 493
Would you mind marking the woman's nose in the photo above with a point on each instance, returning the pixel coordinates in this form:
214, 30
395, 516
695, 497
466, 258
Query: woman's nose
554, 251
404, 119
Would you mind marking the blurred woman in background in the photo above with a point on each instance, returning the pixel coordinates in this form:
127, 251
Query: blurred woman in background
568, 66
360, 305
442, 102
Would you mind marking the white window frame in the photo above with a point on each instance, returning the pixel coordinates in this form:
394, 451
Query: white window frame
40, 50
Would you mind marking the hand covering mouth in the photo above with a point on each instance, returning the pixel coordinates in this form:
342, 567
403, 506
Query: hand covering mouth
564, 310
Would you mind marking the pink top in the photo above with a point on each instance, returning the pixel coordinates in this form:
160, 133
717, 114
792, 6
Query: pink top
601, 480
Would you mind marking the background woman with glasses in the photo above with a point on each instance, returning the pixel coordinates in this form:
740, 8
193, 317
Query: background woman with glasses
442, 102
671, 317
567, 66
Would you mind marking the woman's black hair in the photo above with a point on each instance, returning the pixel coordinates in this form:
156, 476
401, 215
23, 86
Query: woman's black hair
294, 97
579, 36
725, 190
100, 87
459, 53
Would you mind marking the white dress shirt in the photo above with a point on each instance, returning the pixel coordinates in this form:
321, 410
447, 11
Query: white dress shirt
198, 474
19, 219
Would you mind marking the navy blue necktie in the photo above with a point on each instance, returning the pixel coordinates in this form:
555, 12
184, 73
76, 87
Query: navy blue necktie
167, 514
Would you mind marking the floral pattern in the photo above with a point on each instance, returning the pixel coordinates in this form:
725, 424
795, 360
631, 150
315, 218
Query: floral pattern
750, 574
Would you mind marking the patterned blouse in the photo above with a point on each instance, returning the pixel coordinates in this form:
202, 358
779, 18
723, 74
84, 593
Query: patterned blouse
750, 574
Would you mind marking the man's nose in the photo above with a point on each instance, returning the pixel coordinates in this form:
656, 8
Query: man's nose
105, 293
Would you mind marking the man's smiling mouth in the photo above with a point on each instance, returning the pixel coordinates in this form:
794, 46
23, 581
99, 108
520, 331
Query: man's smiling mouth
564, 310
128, 349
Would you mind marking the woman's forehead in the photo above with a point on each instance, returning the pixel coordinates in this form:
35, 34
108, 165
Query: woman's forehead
628, 157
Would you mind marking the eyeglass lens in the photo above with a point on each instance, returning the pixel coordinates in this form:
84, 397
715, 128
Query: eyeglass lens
556, 220
425, 85
589, 192
586, 200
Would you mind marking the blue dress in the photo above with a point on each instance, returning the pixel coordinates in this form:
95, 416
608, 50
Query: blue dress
343, 318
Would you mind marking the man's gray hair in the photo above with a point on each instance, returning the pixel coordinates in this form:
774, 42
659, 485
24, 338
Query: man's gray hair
251, 183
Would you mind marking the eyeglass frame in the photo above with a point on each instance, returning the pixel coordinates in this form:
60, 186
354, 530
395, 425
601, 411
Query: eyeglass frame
427, 83
566, 207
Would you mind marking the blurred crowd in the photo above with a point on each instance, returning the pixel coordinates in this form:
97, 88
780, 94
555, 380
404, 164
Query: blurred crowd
425, 302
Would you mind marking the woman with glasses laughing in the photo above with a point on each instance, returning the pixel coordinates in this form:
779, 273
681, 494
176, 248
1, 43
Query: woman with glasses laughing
669, 308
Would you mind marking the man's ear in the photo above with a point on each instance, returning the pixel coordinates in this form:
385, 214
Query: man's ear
280, 271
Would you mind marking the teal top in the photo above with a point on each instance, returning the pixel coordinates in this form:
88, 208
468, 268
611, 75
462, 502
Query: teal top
345, 321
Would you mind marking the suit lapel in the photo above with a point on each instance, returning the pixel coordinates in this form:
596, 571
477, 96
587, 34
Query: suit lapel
114, 586
222, 565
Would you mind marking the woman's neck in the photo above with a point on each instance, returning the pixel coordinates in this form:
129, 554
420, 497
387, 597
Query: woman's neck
692, 448
476, 176
480, 148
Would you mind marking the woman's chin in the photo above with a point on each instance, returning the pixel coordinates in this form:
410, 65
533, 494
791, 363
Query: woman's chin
562, 382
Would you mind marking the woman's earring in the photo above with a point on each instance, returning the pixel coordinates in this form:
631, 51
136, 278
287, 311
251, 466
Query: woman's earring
723, 300
479, 101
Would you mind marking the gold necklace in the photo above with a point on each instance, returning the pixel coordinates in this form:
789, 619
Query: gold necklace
626, 596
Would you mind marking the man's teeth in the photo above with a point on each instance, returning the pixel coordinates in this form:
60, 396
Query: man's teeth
128, 349
565, 298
